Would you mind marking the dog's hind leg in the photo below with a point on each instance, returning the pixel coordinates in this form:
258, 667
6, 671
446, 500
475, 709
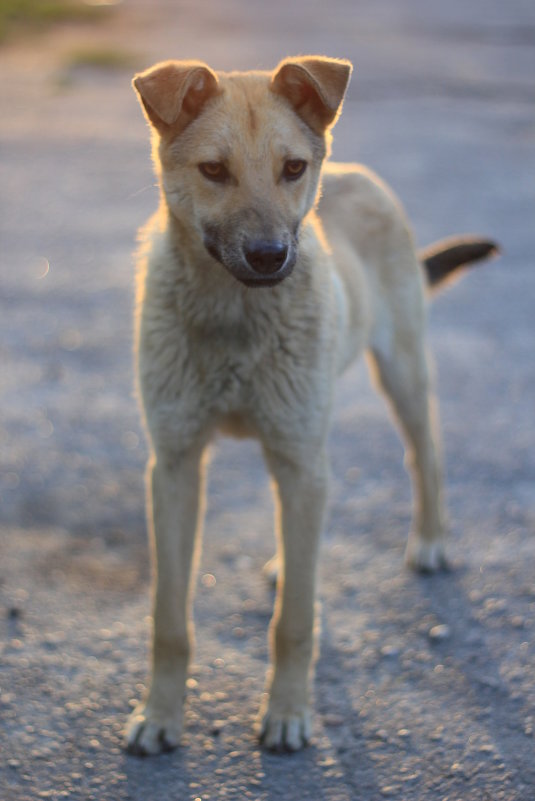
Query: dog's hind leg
174, 489
399, 364
301, 489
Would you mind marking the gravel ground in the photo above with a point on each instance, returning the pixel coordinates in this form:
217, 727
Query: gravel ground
424, 686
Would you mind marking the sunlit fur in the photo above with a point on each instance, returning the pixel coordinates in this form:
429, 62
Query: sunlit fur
214, 354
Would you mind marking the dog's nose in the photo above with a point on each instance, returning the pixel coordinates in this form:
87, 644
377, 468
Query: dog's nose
266, 257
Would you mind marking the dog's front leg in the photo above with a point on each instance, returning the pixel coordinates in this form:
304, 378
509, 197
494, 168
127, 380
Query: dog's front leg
174, 489
301, 488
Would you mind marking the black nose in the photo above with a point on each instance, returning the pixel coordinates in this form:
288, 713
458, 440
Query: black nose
266, 257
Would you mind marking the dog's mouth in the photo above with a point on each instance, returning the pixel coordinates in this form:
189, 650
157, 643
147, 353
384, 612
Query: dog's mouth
258, 282
261, 263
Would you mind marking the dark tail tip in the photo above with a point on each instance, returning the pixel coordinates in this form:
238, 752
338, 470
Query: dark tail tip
443, 258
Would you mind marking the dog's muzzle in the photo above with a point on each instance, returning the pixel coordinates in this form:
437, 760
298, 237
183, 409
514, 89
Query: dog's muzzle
258, 263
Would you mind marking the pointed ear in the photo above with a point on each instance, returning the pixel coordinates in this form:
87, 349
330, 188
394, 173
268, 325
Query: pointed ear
172, 93
315, 86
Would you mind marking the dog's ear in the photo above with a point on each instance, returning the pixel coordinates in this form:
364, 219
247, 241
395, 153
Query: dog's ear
315, 86
173, 93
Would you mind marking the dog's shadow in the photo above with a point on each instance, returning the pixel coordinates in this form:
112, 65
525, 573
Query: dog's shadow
368, 749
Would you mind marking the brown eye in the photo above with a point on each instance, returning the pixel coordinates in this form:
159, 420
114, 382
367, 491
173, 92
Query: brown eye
294, 169
214, 171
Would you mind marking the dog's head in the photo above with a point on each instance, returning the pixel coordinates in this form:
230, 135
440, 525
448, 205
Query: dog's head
239, 155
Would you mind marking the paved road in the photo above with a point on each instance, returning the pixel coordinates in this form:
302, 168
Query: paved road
441, 105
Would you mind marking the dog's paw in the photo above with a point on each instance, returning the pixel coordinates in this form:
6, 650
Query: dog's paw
149, 734
425, 557
286, 732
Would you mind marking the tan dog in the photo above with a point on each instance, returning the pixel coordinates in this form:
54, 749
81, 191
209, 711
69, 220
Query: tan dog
252, 299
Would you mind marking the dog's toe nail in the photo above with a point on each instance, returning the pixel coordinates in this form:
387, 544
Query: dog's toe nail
166, 745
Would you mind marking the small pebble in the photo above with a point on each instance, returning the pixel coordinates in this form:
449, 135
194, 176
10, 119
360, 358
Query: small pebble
439, 633
411, 777
490, 681
333, 720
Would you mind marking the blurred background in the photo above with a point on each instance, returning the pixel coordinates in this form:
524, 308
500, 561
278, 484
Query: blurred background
442, 106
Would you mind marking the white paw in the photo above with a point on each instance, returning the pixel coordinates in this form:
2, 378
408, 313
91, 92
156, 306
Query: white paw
286, 732
425, 557
148, 733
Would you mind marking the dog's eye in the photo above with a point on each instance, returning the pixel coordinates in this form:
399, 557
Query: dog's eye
294, 169
214, 171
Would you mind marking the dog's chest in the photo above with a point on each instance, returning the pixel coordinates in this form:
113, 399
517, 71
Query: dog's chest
224, 359
248, 368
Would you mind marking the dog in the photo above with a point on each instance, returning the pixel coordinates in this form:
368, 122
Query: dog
266, 271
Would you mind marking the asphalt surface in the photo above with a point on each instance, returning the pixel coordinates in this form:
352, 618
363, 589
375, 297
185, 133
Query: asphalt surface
425, 686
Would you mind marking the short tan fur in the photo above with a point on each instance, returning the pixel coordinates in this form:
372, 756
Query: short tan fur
265, 272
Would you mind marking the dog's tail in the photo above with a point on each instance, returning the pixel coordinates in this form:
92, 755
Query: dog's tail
444, 259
